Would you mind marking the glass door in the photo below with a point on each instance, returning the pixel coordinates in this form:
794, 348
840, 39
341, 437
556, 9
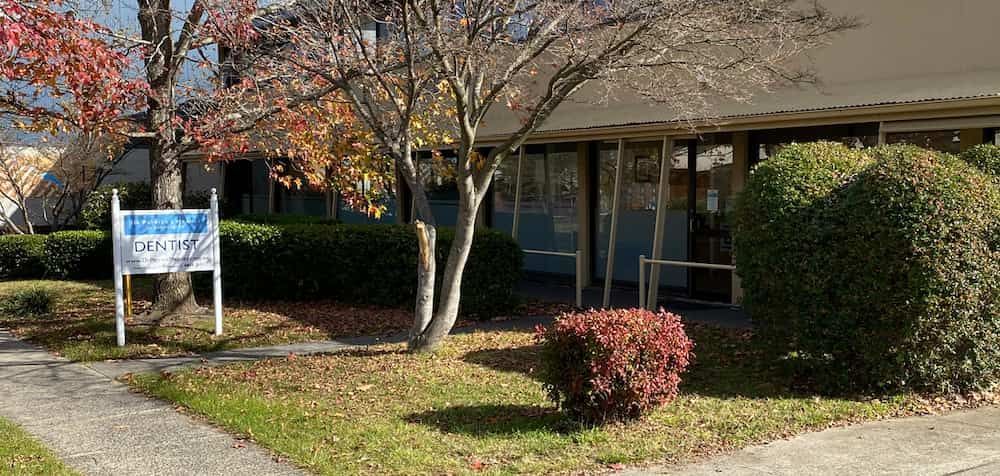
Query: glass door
710, 213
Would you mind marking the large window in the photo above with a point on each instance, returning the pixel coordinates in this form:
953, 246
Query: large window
944, 141
437, 172
548, 216
765, 144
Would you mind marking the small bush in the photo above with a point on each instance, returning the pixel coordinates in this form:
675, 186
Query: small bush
96, 212
985, 157
30, 302
612, 365
79, 255
21, 256
874, 271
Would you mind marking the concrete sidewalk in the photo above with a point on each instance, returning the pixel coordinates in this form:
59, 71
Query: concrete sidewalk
966, 443
99, 427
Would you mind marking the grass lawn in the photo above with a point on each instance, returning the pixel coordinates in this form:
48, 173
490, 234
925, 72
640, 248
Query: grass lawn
475, 406
21, 454
81, 326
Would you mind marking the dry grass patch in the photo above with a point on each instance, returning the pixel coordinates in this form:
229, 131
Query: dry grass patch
475, 406
81, 326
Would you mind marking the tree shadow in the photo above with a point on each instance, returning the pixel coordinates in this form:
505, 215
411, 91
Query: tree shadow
496, 420
523, 360
725, 365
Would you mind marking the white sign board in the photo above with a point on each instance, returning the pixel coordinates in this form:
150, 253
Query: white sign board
165, 241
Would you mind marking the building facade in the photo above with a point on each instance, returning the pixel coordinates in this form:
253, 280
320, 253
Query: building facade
620, 180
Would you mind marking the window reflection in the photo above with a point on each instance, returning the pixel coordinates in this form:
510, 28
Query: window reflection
943, 141
548, 215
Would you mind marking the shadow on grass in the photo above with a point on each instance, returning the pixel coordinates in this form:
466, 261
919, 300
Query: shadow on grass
498, 420
724, 365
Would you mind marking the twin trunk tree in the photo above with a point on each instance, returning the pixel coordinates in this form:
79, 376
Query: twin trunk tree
428, 73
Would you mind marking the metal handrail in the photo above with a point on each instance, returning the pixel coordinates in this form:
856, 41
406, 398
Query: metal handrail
643, 261
578, 256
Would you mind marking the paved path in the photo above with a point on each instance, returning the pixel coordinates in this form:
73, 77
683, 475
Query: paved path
966, 443
97, 426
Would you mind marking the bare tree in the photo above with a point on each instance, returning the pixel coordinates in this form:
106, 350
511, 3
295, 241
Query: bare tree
48, 183
402, 65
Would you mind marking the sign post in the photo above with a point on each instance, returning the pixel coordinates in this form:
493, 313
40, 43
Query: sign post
165, 241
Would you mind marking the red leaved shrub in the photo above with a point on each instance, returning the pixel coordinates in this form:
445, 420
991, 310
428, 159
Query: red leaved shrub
613, 364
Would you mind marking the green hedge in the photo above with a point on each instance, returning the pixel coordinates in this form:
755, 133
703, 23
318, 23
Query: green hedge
356, 263
360, 263
874, 270
21, 256
79, 255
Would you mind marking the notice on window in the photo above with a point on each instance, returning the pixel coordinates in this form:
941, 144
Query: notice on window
713, 200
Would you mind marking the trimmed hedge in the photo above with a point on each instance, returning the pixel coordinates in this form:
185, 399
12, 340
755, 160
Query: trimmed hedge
875, 270
21, 256
373, 264
84, 254
360, 263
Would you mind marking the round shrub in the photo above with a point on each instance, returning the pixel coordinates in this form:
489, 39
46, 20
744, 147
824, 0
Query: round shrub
96, 212
985, 157
79, 255
21, 256
615, 364
30, 302
881, 276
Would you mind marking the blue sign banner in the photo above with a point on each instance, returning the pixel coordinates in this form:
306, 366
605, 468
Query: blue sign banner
166, 224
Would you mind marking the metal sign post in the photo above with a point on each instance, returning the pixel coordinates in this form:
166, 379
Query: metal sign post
165, 241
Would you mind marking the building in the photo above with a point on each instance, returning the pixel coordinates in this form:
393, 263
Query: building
919, 71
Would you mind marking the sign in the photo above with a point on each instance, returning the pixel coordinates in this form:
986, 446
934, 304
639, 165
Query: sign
713, 200
165, 241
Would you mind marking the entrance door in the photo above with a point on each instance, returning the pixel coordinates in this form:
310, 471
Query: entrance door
697, 219
710, 213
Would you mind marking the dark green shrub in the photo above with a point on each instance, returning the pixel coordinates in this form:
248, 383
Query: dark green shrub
79, 255
30, 302
613, 364
96, 213
870, 274
21, 256
985, 157
284, 219
373, 264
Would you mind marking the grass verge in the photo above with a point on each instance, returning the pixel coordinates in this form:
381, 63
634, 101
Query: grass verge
81, 326
20, 454
475, 406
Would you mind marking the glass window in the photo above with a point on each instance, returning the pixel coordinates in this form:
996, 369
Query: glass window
387, 200
437, 171
770, 142
944, 141
548, 215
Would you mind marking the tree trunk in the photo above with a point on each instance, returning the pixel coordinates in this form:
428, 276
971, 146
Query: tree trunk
451, 286
426, 271
174, 293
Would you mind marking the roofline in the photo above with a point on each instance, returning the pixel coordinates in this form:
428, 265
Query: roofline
933, 109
